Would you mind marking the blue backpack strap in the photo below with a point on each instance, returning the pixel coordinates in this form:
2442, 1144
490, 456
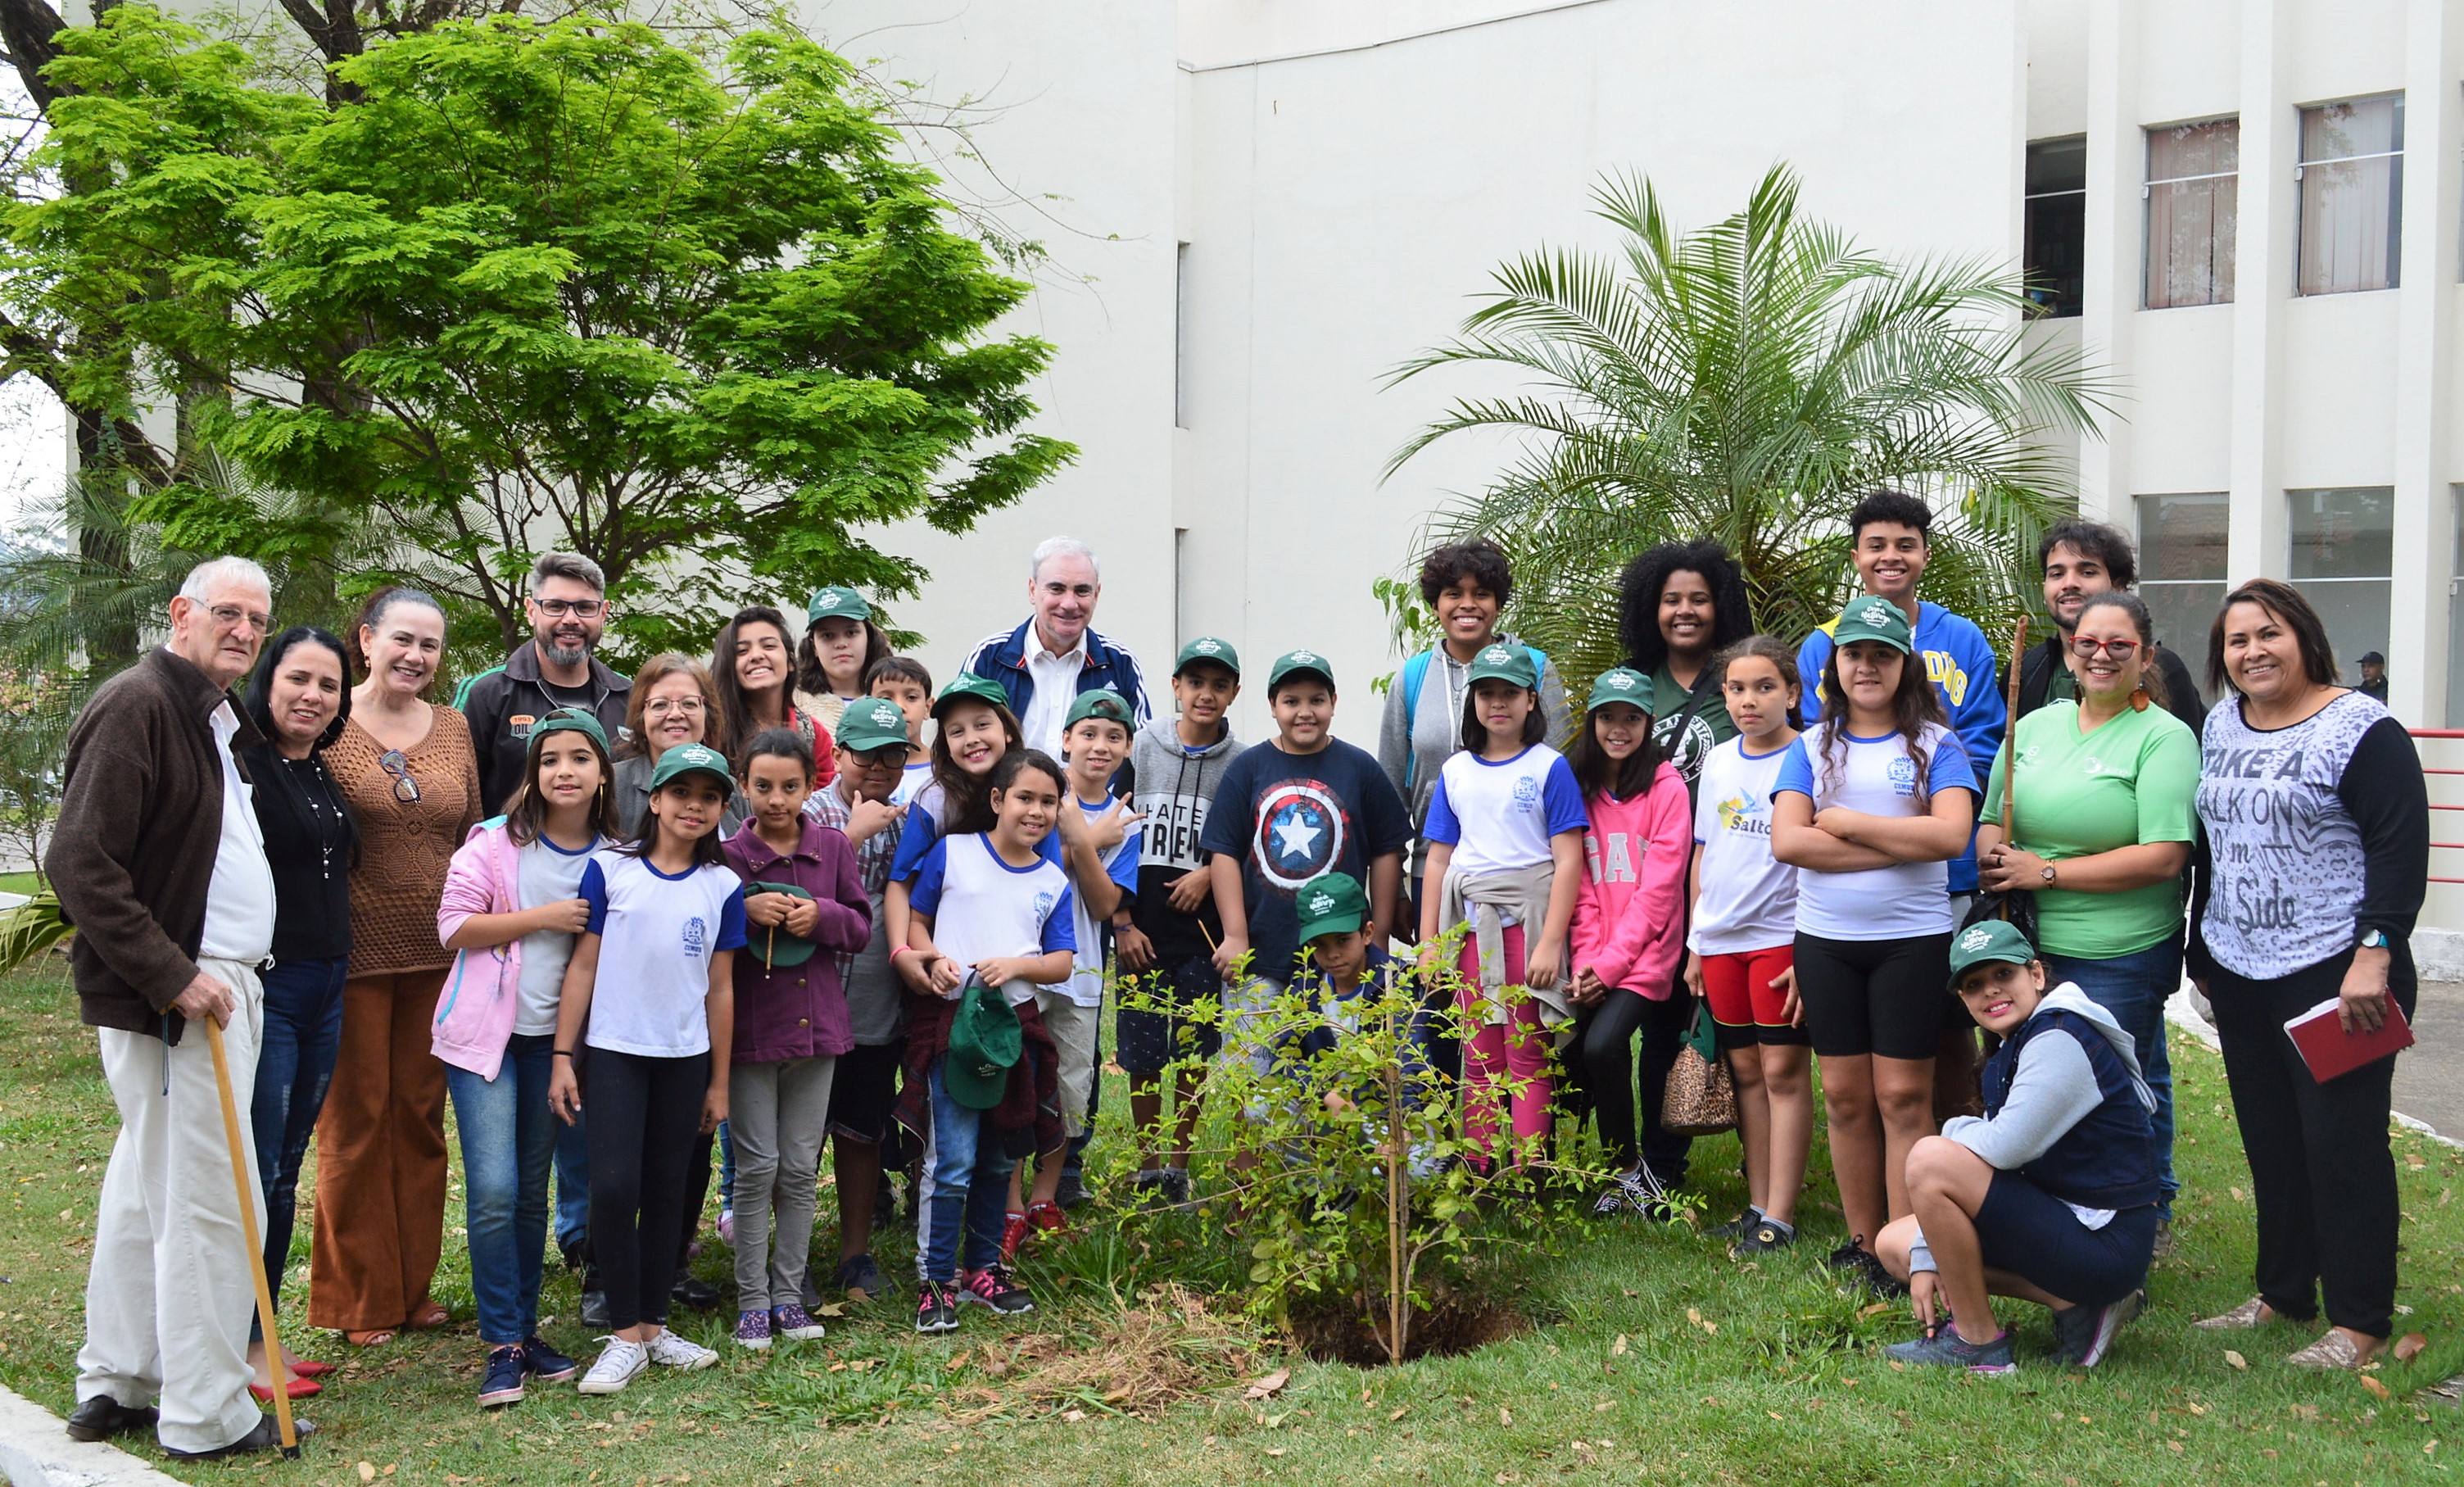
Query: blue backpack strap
1416, 670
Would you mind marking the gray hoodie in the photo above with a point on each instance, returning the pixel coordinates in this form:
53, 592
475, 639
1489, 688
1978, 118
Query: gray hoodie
1173, 788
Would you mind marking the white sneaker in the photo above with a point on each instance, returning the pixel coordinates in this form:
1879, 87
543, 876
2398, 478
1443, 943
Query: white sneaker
620, 1363
671, 1349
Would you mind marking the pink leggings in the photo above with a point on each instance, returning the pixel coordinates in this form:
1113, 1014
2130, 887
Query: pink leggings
1517, 1051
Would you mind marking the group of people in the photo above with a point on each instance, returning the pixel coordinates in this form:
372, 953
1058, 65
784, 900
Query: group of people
704, 921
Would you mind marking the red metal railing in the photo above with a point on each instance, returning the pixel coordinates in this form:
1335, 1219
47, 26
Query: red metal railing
2442, 733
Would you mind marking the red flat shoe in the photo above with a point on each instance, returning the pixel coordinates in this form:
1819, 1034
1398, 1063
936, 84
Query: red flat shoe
310, 1368
300, 1388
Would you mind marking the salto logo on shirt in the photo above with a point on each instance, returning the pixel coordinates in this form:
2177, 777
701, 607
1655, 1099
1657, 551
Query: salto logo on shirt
696, 936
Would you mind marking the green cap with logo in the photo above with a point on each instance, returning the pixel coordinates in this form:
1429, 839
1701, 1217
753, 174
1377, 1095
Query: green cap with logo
872, 722
1987, 939
1620, 684
1330, 904
1100, 702
576, 719
836, 603
691, 759
1507, 664
1295, 663
985, 1043
966, 684
771, 944
1873, 619
1206, 648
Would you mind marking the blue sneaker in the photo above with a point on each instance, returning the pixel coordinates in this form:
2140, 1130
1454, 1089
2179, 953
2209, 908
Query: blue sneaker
503, 1383
1947, 1350
2086, 1333
545, 1363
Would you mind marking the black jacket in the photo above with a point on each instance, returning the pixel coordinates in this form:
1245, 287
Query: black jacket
503, 704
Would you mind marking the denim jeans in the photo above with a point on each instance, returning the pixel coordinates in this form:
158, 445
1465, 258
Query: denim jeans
2134, 988
572, 1185
303, 1034
726, 1165
966, 1187
509, 1139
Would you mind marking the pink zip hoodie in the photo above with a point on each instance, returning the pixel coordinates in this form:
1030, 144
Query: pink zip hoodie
475, 1012
1628, 924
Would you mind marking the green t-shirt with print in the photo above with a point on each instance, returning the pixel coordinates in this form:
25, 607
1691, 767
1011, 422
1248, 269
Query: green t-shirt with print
2134, 780
1688, 724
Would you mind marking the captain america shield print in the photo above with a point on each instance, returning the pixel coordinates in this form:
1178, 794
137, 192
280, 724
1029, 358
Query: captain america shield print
1302, 828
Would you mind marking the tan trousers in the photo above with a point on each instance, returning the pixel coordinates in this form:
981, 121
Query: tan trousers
168, 1301
379, 1160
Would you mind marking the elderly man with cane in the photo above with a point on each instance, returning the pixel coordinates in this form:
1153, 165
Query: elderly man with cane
159, 865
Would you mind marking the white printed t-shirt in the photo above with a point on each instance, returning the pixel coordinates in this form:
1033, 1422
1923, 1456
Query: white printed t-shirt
982, 907
1749, 898
657, 936
1499, 815
1875, 776
1085, 986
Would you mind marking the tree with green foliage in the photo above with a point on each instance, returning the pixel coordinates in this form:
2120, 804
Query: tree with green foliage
527, 284
1747, 382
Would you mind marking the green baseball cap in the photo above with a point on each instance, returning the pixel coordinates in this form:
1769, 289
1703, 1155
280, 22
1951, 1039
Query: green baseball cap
1873, 619
1099, 702
691, 759
1206, 648
574, 719
1509, 663
872, 722
985, 1043
1620, 684
1331, 904
1299, 663
836, 603
771, 945
1987, 939
966, 684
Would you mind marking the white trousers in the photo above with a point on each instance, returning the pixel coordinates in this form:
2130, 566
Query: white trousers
168, 1301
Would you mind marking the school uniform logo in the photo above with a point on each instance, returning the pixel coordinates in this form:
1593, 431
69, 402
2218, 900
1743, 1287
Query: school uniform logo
1044, 902
1301, 831
696, 936
1527, 794
1902, 771
1737, 814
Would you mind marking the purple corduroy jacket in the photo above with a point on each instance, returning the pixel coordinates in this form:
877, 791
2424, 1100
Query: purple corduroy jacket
798, 1012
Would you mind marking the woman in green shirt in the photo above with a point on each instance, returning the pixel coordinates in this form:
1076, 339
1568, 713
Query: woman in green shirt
2101, 831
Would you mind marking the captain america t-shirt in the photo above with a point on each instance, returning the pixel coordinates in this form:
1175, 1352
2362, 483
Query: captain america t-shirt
1292, 817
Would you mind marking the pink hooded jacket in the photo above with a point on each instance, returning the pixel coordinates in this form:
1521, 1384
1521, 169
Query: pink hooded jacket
475, 1012
1629, 920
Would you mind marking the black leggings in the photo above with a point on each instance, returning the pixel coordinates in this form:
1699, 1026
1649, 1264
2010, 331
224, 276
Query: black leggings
1885, 997
645, 1123
1604, 1070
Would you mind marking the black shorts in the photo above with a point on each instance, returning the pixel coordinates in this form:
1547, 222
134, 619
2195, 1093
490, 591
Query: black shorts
1873, 996
864, 1091
1151, 1041
2031, 1233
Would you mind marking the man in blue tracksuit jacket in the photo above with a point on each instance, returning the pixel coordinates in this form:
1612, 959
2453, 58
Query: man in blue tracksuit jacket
1055, 654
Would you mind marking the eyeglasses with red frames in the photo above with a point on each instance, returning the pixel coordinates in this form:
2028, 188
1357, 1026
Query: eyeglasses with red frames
2087, 650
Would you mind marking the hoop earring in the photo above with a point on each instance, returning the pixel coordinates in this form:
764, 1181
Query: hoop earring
2139, 699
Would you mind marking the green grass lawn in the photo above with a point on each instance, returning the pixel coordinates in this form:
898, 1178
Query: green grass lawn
1654, 1359
20, 882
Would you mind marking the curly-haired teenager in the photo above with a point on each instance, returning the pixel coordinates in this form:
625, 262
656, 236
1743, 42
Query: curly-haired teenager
1679, 605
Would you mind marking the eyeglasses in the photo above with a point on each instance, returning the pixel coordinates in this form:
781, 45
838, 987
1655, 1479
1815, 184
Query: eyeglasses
689, 706
405, 789
228, 616
2086, 650
578, 609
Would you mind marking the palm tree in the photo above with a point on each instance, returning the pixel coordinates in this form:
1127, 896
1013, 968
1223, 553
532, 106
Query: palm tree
1749, 382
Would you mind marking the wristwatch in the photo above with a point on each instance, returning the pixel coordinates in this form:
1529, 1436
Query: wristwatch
2048, 874
2372, 939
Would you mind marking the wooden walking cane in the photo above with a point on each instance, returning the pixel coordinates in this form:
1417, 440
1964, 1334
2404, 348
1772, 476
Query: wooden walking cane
256, 1246
2010, 735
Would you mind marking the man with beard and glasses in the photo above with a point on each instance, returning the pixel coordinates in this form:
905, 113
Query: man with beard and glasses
568, 612
2082, 559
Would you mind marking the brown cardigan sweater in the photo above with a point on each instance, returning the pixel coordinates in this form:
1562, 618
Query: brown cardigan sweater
132, 855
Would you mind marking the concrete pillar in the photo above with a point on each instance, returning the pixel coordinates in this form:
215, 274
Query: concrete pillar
2262, 282
2425, 356
2116, 174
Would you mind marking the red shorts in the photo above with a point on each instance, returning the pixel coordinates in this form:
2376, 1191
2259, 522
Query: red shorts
1743, 1002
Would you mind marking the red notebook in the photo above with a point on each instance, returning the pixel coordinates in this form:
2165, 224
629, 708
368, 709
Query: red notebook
2331, 1051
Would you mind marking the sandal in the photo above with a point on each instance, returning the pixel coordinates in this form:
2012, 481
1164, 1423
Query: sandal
2248, 1314
378, 1337
310, 1368
430, 1316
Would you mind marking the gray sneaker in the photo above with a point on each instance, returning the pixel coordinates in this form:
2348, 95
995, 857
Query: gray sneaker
1947, 1350
2085, 1333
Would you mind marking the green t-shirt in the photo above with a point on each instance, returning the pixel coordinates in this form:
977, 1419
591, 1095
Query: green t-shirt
2134, 780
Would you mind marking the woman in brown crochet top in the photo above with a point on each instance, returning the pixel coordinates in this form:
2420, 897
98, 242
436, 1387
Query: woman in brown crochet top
407, 768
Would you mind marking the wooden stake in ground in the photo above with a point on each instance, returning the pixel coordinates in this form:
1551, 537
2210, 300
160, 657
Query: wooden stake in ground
256, 1246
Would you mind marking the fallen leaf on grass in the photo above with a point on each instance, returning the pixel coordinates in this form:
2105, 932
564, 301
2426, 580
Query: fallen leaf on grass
2378, 1390
2236, 1193
2408, 1347
958, 1361
1261, 1388
1400, 1412
1504, 1416
367, 1471
1618, 1347
2235, 1359
1073, 1416
1274, 1450
1868, 1313
2412, 1160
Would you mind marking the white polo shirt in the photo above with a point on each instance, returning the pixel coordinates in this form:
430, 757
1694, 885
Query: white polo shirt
1056, 687
239, 898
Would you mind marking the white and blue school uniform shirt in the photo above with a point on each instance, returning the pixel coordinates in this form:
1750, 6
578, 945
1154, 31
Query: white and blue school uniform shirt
1499, 814
981, 906
1749, 897
927, 818
1877, 777
657, 934
1085, 986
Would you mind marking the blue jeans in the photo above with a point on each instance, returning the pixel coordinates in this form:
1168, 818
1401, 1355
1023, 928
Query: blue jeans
726, 1167
966, 1187
509, 1138
2134, 988
572, 1185
303, 1034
